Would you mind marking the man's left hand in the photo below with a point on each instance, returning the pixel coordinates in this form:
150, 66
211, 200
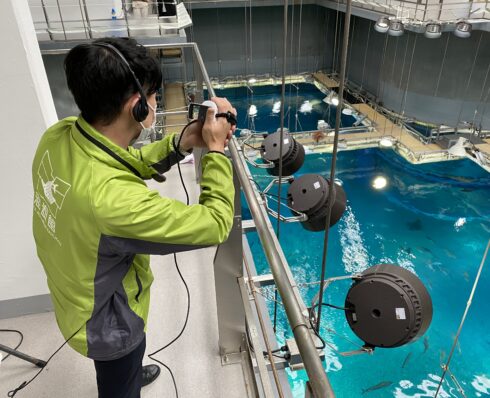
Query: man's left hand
192, 137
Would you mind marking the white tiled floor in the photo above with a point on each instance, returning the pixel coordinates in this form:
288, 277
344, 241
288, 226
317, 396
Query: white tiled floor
194, 358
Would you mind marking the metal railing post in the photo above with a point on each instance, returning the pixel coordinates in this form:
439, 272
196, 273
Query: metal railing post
47, 20
61, 18
87, 19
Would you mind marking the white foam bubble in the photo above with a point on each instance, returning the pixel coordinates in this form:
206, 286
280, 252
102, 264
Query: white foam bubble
426, 389
406, 384
354, 253
481, 384
332, 362
403, 260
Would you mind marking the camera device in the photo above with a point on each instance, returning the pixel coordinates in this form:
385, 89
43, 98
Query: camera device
198, 112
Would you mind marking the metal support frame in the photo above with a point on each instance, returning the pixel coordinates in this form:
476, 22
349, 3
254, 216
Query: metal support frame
227, 270
300, 217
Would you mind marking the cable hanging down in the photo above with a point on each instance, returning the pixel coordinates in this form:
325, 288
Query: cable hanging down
151, 356
331, 193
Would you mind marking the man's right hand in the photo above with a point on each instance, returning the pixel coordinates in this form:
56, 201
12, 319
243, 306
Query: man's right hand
217, 131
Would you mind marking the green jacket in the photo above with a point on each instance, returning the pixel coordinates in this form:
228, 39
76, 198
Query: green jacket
95, 223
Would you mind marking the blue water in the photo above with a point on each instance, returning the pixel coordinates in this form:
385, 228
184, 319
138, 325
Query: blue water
432, 219
296, 117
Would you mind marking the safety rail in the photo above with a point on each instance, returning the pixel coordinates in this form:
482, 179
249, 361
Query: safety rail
88, 19
230, 253
417, 13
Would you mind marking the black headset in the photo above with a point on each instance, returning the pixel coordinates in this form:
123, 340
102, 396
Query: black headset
140, 110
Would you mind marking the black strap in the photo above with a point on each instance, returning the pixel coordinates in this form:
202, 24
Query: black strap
106, 150
230, 117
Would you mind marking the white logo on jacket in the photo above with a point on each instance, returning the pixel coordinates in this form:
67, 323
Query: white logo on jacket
50, 194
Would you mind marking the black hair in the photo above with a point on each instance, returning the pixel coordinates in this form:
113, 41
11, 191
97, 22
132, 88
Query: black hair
100, 81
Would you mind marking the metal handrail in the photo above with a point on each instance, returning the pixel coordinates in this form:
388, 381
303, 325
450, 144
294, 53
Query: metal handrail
318, 378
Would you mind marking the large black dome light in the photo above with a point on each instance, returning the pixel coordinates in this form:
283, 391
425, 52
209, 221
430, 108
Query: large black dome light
308, 194
388, 306
293, 153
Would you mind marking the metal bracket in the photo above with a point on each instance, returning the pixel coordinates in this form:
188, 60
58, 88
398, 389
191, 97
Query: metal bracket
231, 358
248, 226
266, 164
301, 217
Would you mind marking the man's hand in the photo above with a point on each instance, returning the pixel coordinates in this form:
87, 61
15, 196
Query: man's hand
193, 137
216, 132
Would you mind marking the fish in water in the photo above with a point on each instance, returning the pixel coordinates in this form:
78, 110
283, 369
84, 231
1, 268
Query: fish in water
407, 358
449, 253
424, 249
378, 386
426, 344
429, 265
415, 225
442, 355
466, 276
407, 250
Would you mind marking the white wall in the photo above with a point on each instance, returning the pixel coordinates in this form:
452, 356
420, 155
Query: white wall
26, 110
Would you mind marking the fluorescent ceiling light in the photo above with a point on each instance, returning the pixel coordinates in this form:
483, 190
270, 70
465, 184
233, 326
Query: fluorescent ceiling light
463, 29
386, 142
396, 28
382, 25
433, 30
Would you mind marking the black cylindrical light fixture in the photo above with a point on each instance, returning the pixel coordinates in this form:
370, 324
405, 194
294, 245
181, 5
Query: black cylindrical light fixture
388, 306
433, 30
382, 25
396, 28
308, 194
463, 29
293, 153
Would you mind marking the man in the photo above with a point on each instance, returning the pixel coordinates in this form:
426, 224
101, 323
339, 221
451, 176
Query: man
96, 222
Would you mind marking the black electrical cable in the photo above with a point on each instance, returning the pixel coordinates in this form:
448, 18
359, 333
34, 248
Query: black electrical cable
181, 277
284, 348
250, 146
317, 332
18, 344
24, 384
332, 306
181, 331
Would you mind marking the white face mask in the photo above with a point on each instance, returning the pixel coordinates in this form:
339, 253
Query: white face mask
149, 132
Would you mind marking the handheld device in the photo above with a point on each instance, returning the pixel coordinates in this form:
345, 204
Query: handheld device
198, 112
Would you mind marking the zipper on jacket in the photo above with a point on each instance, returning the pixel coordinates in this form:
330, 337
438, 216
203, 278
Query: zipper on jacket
140, 286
